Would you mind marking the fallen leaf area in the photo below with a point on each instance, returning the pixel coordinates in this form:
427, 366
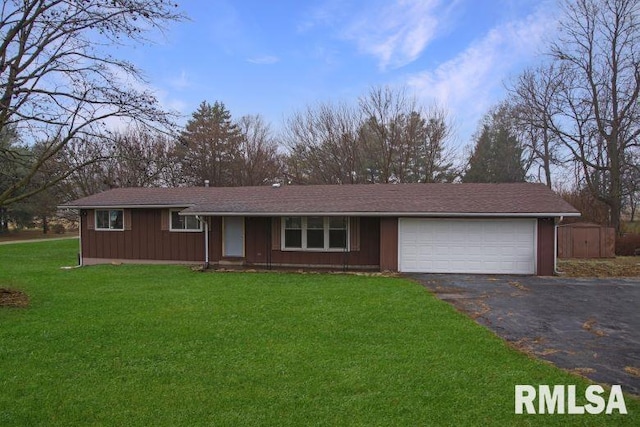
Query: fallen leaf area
13, 298
610, 267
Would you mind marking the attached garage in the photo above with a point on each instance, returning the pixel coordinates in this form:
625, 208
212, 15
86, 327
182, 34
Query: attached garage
485, 246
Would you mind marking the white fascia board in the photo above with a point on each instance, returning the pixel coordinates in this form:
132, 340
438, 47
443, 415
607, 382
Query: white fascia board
391, 214
183, 206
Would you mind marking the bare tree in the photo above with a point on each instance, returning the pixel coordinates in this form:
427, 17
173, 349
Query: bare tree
386, 138
139, 158
382, 108
428, 134
259, 151
59, 84
596, 112
532, 99
404, 142
631, 185
132, 158
324, 146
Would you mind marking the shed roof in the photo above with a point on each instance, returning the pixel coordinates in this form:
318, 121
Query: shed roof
513, 199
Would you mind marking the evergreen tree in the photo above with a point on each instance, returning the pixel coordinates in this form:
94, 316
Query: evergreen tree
210, 147
497, 155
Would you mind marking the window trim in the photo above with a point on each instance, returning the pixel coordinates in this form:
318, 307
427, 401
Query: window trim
95, 220
326, 229
183, 230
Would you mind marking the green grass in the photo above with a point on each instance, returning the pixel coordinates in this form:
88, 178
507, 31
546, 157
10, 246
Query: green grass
162, 345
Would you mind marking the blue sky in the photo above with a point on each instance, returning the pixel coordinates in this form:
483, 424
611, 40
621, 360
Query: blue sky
276, 57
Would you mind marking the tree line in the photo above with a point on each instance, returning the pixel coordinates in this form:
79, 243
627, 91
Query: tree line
575, 114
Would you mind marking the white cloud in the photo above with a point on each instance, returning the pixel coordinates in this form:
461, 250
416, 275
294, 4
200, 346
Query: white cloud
394, 32
471, 82
180, 82
263, 60
397, 33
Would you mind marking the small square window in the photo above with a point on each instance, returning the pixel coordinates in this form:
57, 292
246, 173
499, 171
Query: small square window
109, 219
184, 222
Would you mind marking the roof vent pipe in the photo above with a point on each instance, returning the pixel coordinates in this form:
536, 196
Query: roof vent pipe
206, 182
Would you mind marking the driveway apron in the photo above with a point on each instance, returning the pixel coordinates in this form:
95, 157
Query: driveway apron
588, 326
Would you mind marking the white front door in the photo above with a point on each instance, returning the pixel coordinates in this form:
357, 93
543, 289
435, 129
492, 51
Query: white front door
233, 231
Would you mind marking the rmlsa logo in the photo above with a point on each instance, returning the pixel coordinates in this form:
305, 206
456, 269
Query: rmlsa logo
562, 400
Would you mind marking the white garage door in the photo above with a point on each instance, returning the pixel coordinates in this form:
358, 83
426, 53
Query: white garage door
489, 246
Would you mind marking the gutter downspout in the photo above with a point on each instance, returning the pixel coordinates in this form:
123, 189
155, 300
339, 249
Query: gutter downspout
81, 260
555, 246
206, 241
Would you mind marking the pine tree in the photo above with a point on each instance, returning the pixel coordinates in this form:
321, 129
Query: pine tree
211, 147
497, 155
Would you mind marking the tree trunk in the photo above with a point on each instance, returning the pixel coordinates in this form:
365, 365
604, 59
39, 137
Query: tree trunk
4, 223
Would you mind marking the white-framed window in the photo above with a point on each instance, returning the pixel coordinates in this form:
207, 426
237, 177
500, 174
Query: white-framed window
184, 222
315, 233
110, 219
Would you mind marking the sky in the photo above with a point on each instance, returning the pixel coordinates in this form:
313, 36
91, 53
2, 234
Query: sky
277, 57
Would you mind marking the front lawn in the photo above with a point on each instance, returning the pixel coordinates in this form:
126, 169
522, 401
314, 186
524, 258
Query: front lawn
162, 345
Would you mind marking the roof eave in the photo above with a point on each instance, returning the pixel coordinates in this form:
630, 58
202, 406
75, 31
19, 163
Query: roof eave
125, 206
392, 214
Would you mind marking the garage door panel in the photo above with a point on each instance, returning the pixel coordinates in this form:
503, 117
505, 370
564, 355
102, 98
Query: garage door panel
467, 246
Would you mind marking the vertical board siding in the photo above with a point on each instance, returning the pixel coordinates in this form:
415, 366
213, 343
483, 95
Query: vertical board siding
146, 240
546, 240
215, 239
90, 217
143, 240
354, 231
389, 244
165, 219
583, 240
275, 233
257, 244
260, 249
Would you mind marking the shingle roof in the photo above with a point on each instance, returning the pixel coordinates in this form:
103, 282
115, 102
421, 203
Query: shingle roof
520, 199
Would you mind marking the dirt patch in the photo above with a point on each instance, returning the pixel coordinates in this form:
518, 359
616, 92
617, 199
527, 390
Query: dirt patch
631, 370
614, 267
13, 298
589, 326
583, 372
518, 285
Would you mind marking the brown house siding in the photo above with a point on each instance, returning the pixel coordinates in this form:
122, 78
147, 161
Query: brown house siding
142, 239
546, 241
262, 234
374, 243
388, 244
147, 238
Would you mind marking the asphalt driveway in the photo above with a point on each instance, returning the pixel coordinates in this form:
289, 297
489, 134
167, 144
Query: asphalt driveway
588, 326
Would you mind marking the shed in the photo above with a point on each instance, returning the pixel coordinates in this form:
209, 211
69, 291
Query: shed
586, 240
